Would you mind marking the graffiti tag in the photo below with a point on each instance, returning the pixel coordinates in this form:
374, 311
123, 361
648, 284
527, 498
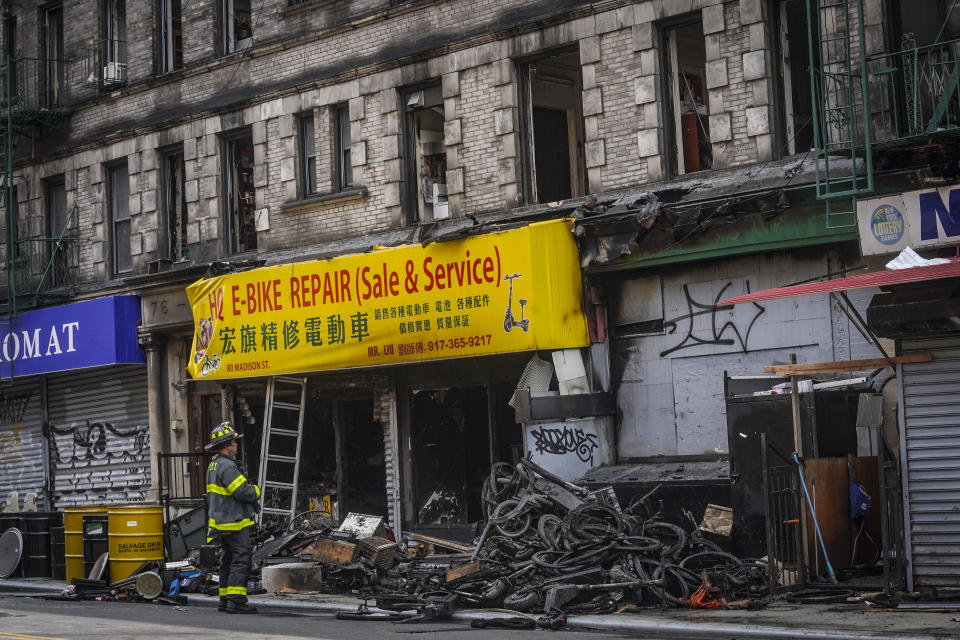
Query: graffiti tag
717, 333
563, 440
97, 459
12, 445
13, 406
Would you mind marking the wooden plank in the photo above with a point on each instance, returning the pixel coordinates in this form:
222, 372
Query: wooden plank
332, 551
469, 569
440, 542
843, 365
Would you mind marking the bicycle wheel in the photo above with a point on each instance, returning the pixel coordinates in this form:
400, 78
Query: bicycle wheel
718, 561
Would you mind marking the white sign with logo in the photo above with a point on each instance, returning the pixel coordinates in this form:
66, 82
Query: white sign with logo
918, 219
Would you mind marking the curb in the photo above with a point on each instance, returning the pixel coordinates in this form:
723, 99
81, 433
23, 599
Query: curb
634, 623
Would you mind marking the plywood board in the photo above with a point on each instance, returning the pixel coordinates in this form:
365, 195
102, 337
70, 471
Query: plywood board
827, 485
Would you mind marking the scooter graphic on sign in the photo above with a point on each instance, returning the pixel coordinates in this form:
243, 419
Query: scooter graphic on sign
509, 322
204, 336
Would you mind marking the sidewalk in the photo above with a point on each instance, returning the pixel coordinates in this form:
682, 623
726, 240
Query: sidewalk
780, 621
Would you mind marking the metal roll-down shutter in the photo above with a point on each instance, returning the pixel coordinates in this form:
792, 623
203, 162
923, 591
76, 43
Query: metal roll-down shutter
100, 437
22, 446
931, 439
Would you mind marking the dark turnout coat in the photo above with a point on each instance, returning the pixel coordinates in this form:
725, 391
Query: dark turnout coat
231, 498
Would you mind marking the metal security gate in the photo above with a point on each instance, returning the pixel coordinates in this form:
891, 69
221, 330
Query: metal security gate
22, 447
930, 446
99, 435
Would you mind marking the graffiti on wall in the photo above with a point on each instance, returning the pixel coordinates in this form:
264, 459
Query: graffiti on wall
18, 470
560, 441
11, 443
21, 463
727, 333
13, 406
98, 461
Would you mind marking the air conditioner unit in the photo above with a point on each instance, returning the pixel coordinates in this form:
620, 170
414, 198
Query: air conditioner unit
115, 73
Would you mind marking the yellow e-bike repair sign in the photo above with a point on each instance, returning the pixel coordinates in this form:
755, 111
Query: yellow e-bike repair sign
511, 291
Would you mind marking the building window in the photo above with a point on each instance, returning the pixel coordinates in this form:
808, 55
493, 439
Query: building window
425, 157
236, 25
174, 203
342, 141
687, 113
171, 36
10, 36
794, 131
115, 42
56, 214
240, 194
308, 154
10, 47
118, 179
52, 42
552, 128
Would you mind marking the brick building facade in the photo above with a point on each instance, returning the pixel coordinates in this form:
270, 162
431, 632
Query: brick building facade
275, 130
312, 57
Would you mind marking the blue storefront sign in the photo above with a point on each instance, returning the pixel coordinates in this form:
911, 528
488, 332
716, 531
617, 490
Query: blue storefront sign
85, 334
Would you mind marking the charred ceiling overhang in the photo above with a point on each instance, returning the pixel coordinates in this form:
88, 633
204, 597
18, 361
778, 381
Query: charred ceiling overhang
650, 222
704, 215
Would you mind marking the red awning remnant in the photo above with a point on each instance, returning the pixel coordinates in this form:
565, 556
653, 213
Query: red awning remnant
859, 281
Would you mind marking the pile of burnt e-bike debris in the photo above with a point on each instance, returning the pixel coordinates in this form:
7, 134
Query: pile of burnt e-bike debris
548, 546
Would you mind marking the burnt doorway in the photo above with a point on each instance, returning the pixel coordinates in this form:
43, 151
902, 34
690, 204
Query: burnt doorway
342, 458
450, 452
363, 470
204, 411
454, 435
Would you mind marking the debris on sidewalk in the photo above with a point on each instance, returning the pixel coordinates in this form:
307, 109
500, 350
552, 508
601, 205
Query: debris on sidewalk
548, 546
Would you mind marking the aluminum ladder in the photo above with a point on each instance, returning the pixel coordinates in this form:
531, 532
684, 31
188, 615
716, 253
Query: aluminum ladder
280, 448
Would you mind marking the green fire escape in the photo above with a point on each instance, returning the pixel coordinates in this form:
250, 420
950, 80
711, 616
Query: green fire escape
843, 150
866, 103
33, 96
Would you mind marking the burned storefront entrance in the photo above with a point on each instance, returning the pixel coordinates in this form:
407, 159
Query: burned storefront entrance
456, 422
343, 464
339, 458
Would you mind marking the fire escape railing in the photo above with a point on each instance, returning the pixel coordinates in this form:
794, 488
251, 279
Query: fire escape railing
918, 90
46, 264
34, 92
862, 102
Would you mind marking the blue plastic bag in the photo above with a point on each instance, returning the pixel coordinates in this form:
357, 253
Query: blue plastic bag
859, 498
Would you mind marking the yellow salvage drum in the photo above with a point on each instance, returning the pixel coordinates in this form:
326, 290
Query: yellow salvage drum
136, 536
73, 538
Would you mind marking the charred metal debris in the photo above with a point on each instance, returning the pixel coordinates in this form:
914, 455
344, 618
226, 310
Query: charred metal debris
548, 547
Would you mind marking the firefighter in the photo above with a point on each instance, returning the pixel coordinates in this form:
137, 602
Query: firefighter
231, 506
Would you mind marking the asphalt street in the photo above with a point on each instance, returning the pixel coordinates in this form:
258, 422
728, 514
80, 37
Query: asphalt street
33, 618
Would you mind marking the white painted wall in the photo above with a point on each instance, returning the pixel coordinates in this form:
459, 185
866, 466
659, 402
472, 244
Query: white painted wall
671, 399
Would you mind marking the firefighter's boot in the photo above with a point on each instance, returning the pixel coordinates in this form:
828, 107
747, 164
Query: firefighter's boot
240, 606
